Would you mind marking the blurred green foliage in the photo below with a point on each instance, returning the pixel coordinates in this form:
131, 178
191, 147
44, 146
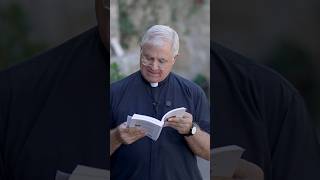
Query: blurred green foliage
128, 29
115, 73
126, 26
203, 82
15, 46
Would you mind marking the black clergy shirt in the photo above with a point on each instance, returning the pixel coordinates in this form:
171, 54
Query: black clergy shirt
259, 110
168, 158
53, 111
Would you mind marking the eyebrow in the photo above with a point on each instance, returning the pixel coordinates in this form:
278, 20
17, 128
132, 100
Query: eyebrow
151, 57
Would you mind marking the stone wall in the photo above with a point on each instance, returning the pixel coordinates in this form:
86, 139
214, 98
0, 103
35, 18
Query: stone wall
190, 18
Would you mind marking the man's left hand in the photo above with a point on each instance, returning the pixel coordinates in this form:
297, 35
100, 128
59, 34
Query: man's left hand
181, 124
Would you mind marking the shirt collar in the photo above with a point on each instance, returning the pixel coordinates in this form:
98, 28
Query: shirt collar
161, 83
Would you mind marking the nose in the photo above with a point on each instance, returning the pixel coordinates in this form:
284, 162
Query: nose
154, 65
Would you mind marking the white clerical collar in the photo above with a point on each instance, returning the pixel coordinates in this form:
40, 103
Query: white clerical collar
154, 84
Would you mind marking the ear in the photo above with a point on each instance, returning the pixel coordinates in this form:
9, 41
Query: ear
175, 58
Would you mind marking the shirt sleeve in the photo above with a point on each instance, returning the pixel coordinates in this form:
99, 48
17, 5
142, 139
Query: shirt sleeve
202, 115
295, 150
111, 109
4, 97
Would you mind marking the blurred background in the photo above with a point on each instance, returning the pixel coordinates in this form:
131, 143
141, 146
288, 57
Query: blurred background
190, 18
29, 27
283, 35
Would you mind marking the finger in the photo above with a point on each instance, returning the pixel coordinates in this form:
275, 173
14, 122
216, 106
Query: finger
172, 119
173, 124
129, 139
137, 134
123, 125
187, 120
181, 120
176, 120
187, 115
136, 137
135, 130
181, 130
184, 125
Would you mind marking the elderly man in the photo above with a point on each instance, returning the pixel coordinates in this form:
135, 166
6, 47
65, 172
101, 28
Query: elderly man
53, 108
153, 91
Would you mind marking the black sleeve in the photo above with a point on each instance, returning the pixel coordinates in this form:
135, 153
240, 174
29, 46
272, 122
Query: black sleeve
295, 150
4, 96
202, 116
1, 169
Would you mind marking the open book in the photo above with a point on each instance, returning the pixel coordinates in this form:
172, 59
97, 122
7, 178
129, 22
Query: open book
152, 125
84, 173
224, 160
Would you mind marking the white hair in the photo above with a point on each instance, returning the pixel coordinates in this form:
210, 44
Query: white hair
160, 33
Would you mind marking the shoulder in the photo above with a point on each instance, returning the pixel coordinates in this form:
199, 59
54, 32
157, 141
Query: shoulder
191, 88
44, 66
121, 85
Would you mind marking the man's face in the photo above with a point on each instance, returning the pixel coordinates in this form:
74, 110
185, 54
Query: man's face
156, 61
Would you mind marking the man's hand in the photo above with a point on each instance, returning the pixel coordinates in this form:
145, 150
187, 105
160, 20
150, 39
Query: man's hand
244, 171
129, 135
123, 135
181, 124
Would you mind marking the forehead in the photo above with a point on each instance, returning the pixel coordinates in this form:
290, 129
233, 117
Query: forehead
160, 48
157, 43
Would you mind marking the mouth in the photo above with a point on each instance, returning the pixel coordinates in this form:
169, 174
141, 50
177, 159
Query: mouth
153, 73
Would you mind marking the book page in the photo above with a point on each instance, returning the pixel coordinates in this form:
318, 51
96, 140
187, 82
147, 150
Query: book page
87, 177
224, 160
89, 173
178, 112
129, 121
151, 125
62, 176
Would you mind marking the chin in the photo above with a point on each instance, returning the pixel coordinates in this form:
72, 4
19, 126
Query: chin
153, 80
150, 78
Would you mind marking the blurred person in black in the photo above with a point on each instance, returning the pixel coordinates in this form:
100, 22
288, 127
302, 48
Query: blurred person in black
53, 108
257, 109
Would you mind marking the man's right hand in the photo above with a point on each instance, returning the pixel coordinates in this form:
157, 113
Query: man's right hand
129, 135
124, 135
244, 171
